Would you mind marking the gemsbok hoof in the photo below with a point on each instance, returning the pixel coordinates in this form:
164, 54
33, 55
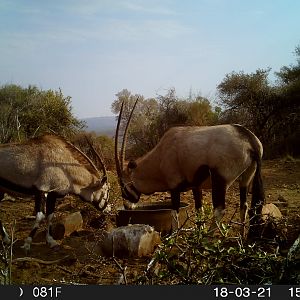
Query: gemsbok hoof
52, 243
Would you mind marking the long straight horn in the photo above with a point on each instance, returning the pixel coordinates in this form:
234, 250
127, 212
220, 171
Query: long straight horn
122, 154
97, 155
117, 160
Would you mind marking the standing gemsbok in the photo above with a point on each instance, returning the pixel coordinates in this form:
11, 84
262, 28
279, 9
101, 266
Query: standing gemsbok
185, 157
50, 167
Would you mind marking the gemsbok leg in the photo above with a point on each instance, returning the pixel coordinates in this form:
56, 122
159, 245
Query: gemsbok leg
50, 206
244, 183
202, 174
243, 208
175, 198
39, 202
219, 189
197, 194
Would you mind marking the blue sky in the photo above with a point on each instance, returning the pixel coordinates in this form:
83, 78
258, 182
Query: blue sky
93, 49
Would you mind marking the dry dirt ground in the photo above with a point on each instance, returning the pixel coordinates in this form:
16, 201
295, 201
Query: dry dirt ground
76, 262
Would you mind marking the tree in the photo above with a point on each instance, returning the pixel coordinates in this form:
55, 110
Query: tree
289, 87
153, 117
291, 74
248, 99
103, 144
13, 102
270, 111
141, 132
27, 112
200, 112
172, 112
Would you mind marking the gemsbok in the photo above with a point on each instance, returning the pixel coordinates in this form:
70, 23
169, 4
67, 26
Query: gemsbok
185, 157
49, 167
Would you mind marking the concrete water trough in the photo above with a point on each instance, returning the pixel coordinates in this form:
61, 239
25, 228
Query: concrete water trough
155, 214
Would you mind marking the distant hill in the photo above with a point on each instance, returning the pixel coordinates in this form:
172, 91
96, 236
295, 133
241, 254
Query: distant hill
101, 125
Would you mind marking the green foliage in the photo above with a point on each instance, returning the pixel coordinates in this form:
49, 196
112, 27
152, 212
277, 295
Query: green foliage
103, 144
247, 98
6, 256
153, 117
27, 112
4, 264
270, 111
200, 112
291, 74
142, 131
194, 256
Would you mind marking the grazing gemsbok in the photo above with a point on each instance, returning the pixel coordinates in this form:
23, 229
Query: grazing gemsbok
49, 167
185, 157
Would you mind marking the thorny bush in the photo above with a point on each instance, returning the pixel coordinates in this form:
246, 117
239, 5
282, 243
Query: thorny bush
194, 256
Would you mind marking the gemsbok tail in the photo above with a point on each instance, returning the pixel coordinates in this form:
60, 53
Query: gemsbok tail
258, 198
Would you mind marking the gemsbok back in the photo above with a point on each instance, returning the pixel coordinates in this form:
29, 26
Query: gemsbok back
185, 157
49, 167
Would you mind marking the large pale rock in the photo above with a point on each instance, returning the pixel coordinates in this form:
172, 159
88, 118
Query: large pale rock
136, 240
270, 210
272, 228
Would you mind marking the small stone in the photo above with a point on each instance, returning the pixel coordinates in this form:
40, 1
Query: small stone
63, 227
69, 224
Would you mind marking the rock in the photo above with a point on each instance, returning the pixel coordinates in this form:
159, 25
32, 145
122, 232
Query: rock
136, 240
67, 225
270, 210
271, 216
63, 227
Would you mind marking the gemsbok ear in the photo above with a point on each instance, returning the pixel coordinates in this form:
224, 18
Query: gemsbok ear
132, 164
